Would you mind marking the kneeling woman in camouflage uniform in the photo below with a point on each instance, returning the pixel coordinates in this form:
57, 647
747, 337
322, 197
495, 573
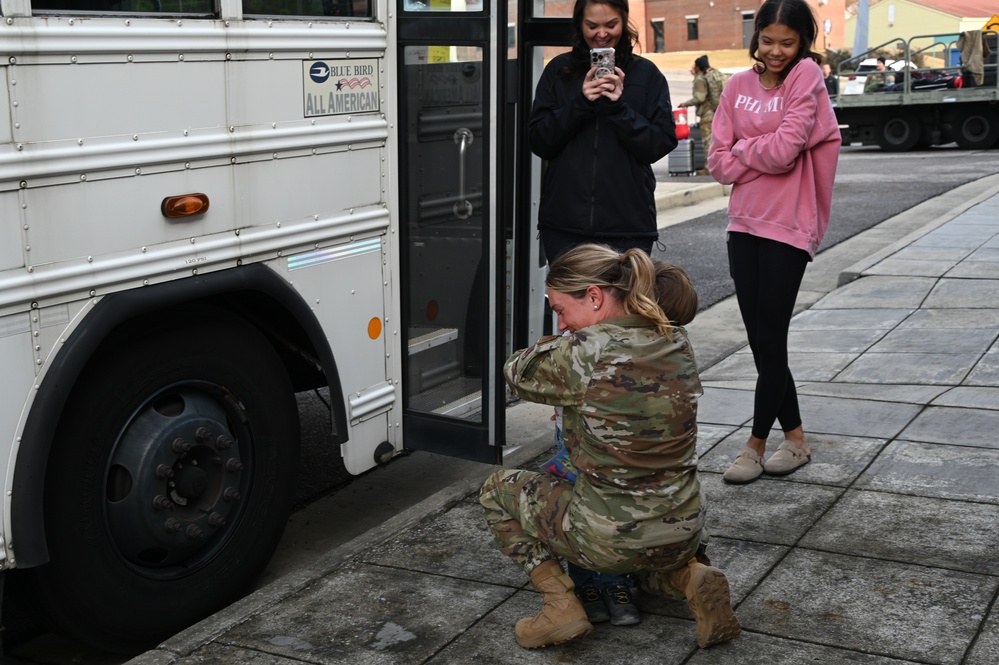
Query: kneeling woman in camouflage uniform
628, 383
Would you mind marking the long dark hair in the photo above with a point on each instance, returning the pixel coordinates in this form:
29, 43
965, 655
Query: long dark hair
795, 14
581, 52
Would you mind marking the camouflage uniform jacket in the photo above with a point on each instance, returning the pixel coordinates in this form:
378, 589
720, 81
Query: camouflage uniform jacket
707, 92
630, 425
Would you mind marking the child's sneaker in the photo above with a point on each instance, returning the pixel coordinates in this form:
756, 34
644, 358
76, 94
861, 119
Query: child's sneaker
560, 466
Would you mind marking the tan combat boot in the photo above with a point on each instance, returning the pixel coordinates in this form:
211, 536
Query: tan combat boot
706, 590
561, 619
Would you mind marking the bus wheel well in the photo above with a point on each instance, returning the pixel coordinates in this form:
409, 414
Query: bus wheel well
252, 294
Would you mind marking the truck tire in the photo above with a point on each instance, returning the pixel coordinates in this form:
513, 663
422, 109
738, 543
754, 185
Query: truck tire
898, 133
169, 484
976, 129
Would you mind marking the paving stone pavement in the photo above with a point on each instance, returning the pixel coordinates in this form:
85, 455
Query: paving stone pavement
883, 550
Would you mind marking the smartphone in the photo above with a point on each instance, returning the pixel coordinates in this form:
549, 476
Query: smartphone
603, 59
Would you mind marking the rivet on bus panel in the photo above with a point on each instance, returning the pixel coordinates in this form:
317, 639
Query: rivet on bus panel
72, 59
71, 21
270, 55
83, 176
138, 171
12, 60
228, 56
10, 21
15, 103
128, 22
135, 137
27, 248
79, 141
129, 57
180, 57
93, 293
20, 146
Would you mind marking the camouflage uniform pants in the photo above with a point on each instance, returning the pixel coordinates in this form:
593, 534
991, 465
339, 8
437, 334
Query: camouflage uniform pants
705, 126
525, 512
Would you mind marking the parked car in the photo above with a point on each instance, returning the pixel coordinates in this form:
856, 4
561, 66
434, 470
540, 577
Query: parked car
857, 81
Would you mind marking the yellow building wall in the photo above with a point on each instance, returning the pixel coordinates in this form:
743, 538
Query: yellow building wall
891, 20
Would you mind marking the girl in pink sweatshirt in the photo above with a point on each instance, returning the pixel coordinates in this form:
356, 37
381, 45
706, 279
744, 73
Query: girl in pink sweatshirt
776, 140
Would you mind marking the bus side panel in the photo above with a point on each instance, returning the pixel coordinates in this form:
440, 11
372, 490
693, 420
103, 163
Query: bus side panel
276, 191
18, 378
5, 135
345, 284
10, 232
161, 96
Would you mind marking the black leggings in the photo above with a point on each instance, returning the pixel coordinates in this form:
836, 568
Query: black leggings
767, 275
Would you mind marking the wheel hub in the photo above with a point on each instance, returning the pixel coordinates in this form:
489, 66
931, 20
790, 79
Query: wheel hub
176, 478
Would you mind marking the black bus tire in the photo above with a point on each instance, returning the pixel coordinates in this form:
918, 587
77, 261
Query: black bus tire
169, 483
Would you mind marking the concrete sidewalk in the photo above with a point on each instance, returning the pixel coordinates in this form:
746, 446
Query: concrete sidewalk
883, 549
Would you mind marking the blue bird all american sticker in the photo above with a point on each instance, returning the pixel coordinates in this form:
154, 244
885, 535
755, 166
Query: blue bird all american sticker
334, 87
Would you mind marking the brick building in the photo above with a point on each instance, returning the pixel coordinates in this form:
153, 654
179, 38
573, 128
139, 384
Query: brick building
709, 25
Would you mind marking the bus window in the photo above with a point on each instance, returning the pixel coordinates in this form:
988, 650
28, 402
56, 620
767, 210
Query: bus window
353, 8
181, 7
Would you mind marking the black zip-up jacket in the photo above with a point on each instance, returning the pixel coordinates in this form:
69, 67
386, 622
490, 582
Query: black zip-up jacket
598, 179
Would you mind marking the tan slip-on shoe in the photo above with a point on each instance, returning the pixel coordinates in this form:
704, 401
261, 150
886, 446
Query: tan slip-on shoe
786, 459
746, 468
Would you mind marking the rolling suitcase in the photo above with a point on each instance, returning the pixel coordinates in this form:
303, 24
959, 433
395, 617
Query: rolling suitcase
681, 160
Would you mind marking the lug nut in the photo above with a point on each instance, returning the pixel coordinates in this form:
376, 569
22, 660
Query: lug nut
216, 520
160, 502
231, 494
233, 465
163, 472
223, 442
194, 532
180, 446
203, 434
172, 525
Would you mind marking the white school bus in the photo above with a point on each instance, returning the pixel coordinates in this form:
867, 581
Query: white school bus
207, 206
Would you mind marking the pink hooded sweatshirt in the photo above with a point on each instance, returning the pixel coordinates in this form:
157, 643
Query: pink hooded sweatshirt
779, 148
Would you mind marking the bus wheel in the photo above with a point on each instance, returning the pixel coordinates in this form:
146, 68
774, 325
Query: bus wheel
898, 133
976, 129
169, 483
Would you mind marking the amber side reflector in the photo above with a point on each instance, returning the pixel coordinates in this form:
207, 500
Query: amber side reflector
374, 327
185, 205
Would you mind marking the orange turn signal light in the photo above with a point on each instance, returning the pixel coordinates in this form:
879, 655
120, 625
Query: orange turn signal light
184, 205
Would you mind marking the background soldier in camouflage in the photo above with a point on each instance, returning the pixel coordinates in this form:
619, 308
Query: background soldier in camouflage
708, 84
629, 385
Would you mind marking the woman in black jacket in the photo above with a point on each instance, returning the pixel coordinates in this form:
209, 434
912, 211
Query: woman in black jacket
600, 136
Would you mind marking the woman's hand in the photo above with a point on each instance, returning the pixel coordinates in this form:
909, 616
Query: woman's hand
610, 85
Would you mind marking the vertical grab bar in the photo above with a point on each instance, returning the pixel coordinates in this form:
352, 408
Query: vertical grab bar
463, 207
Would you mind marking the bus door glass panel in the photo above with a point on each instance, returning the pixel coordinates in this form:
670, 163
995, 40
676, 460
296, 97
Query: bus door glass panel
447, 231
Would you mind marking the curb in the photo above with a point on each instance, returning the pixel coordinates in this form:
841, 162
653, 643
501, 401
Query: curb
959, 200
669, 196
522, 416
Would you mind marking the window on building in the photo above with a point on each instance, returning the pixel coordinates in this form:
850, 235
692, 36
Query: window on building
658, 37
692, 29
